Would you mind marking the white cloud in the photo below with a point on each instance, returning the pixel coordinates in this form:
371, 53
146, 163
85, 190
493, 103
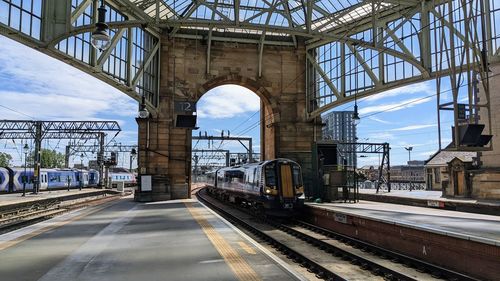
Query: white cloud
45, 88
414, 127
427, 153
418, 88
389, 107
379, 120
381, 136
228, 101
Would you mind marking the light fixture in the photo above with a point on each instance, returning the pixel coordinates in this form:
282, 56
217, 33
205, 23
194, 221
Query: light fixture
143, 112
355, 115
409, 149
26, 148
100, 37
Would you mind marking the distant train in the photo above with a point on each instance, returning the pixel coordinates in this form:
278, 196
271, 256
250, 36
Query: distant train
122, 174
273, 185
11, 179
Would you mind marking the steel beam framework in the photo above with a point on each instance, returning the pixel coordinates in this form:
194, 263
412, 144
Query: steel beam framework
371, 148
353, 47
39, 130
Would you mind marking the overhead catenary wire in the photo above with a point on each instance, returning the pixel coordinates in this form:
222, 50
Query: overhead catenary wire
18, 112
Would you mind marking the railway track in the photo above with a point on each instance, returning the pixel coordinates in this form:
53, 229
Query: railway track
15, 219
329, 255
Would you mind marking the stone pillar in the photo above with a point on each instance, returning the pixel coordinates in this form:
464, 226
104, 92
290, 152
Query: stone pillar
165, 151
486, 181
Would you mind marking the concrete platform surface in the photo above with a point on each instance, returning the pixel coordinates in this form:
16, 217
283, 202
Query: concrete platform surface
427, 195
470, 226
16, 198
432, 199
126, 240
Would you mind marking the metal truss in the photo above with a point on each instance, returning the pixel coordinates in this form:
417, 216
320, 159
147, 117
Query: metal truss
362, 147
353, 47
59, 126
56, 129
76, 148
378, 148
100, 149
229, 138
39, 130
51, 135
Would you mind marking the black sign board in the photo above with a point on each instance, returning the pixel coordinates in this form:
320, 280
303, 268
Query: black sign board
461, 111
184, 107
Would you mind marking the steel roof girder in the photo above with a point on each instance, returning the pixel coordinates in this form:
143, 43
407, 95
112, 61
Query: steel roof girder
323, 75
145, 64
232, 39
361, 25
56, 19
363, 64
189, 11
80, 10
114, 41
236, 11
456, 32
270, 10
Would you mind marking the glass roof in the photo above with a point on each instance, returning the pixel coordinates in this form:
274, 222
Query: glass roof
272, 17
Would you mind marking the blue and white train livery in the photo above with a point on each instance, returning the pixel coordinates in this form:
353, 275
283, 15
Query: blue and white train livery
11, 179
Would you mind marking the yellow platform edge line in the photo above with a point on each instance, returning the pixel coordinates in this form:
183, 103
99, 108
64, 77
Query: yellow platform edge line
242, 270
247, 248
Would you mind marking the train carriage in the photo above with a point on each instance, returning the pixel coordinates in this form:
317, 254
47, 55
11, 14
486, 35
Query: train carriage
271, 185
4, 180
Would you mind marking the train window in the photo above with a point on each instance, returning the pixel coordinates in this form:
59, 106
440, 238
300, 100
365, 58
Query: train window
257, 177
297, 176
270, 174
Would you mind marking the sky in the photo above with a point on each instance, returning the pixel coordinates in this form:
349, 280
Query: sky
35, 86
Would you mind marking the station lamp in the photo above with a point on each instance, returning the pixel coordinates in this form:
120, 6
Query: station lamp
25, 176
100, 37
355, 115
143, 111
133, 154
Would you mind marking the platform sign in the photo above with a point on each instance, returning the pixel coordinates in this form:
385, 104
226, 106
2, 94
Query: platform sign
183, 107
435, 203
340, 218
146, 183
462, 113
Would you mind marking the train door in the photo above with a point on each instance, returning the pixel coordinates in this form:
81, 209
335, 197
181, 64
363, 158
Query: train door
43, 181
286, 181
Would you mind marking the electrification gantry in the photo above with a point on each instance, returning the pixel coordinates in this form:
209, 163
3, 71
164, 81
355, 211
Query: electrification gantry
39, 130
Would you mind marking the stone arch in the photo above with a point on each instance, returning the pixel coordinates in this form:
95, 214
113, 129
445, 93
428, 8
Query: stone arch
269, 108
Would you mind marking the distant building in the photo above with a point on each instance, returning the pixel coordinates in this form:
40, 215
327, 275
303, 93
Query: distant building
438, 171
413, 172
339, 127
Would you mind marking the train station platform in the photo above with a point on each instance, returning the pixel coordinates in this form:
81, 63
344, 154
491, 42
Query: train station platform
468, 226
431, 199
466, 242
126, 240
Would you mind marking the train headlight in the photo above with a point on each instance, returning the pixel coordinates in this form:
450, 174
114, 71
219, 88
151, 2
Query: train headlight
268, 191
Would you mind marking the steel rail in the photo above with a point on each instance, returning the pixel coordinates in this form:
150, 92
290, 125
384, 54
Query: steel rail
336, 251
356, 259
318, 269
27, 218
419, 265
